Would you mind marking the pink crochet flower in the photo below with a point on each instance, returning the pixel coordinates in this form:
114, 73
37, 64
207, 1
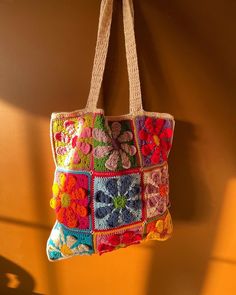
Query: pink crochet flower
157, 192
73, 138
115, 144
70, 202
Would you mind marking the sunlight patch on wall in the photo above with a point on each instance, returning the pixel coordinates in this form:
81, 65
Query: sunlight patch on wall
221, 272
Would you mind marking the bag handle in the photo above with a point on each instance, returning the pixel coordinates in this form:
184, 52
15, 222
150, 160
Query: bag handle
104, 28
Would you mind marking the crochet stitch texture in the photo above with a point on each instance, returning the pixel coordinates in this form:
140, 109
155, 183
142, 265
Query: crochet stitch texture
100, 210
111, 182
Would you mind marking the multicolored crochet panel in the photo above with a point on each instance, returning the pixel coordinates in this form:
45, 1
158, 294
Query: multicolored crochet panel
111, 184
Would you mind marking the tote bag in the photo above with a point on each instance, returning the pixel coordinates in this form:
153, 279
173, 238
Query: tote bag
111, 182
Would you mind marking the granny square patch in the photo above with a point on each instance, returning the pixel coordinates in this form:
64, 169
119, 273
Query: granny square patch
155, 139
114, 145
71, 199
117, 200
72, 142
105, 242
160, 228
156, 190
64, 242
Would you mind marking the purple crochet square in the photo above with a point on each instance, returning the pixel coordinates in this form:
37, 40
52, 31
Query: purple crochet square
154, 138
156, 191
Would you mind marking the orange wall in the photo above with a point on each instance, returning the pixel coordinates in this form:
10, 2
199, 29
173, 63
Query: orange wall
187, 64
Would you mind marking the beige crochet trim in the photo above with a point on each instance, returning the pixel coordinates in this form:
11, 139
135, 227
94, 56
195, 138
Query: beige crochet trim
101, 54
101, 111
103, 36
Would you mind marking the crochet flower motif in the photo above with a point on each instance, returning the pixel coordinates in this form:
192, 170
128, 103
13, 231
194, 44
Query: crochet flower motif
156, 139
157, 192
64, 246
70, 202
120, 204
161, 230
117, 241
73, 140
116, 144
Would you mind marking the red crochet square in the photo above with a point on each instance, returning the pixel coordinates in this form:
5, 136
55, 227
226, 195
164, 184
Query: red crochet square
109, 241
71, 199
155, 139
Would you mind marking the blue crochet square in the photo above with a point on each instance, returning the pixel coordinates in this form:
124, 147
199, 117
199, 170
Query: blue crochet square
65, 242
117, 200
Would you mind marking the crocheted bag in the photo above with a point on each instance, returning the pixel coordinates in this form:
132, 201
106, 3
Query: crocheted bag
111, 183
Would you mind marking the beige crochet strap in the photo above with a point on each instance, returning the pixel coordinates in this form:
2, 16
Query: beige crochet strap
104, 27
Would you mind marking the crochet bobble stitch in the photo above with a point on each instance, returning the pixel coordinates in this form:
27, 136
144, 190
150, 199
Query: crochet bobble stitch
155, 137
114, 147
119, 201
161, 229
70, 201
119, 240
156, 186
73, 142
111, 187
64, 243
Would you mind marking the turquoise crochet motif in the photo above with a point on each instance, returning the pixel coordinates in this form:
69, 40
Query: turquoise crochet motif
65, 242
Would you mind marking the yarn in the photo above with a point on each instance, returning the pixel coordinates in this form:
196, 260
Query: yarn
111, 186
156, 191
117, 200
71, 201
113, 142
155, 138
118, 240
